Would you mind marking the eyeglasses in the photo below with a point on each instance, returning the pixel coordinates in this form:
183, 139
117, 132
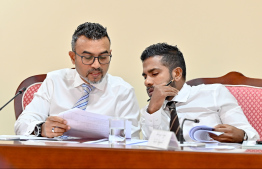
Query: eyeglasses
89, 59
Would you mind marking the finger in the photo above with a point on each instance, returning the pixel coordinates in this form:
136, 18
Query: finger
220, 129
171, 94
55, 132
50, 126
58, 130
222, 138
173, 89
60, 125
221, 126
214, 137
57, 119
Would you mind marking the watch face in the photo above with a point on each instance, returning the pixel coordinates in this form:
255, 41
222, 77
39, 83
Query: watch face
37, 130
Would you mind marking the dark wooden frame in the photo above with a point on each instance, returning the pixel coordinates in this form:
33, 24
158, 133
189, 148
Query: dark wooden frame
231, 78
27, 82
25, 156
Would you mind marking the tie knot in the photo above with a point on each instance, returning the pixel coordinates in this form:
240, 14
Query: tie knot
171, 105
87, 88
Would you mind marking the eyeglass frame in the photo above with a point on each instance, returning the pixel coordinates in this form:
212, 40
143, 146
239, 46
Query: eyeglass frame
94, 59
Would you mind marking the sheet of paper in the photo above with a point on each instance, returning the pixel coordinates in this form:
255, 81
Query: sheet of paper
9, 137
220, 146
22, 137
192, 144
89, 125
128, 142
136, 142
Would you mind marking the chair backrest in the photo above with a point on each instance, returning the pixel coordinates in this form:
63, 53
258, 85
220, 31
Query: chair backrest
247, 91
32, 85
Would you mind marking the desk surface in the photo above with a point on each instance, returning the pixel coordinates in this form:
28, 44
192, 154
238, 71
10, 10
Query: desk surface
24, 154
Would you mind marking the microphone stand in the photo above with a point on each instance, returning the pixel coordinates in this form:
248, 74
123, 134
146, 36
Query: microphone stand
18, 93
181, 129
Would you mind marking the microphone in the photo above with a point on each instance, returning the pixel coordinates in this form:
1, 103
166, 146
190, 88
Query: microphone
181, 131
18, 93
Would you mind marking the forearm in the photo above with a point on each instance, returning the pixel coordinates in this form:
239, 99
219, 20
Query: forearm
35, 112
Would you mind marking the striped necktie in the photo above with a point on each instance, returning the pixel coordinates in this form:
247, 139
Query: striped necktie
174, 122
83, 101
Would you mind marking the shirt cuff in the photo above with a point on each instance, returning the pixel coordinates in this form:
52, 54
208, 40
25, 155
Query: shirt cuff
251, 136
153, 119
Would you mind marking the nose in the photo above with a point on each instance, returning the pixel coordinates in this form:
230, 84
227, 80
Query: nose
148, 82
96, 64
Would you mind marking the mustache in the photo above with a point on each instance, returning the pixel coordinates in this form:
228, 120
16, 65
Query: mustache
94, 70
151, 87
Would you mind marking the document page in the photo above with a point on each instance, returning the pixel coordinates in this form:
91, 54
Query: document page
30, 137
89, 125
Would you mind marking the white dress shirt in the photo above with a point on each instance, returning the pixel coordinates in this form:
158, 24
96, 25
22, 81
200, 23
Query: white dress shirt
211, 104
62, 89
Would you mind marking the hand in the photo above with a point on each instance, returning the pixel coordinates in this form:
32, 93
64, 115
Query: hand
159, 95
57, 123
231, 134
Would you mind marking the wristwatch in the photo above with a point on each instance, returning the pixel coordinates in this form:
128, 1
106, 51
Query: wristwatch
38, 129
245, 136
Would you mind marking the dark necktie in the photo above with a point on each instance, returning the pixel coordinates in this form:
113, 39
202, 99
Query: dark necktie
174, 122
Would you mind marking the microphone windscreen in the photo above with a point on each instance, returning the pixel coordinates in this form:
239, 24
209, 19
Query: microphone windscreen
22, 90
196, 121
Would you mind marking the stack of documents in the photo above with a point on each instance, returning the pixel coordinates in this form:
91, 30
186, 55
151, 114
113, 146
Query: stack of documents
201, 134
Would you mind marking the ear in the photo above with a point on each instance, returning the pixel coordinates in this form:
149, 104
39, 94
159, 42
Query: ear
177, 74
72, 56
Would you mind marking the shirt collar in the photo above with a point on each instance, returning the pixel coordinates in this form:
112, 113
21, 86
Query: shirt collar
78, 81
100, 86
182, 95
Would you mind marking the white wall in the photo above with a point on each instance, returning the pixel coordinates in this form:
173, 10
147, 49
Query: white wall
216, 36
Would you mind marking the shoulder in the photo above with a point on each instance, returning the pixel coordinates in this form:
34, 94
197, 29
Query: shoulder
118, 83
210, 87
62, 74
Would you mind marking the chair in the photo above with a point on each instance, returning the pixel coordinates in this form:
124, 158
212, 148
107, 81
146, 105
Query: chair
32, 85
247, 91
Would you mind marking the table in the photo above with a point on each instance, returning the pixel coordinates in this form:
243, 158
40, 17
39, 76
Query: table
20, 154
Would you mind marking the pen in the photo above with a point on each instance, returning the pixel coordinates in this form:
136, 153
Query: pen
166, 85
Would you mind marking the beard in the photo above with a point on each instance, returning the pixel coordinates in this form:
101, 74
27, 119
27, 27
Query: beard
94, 81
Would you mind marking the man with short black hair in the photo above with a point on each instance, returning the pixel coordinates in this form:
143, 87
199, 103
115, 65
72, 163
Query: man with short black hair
88, 87
164, 71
